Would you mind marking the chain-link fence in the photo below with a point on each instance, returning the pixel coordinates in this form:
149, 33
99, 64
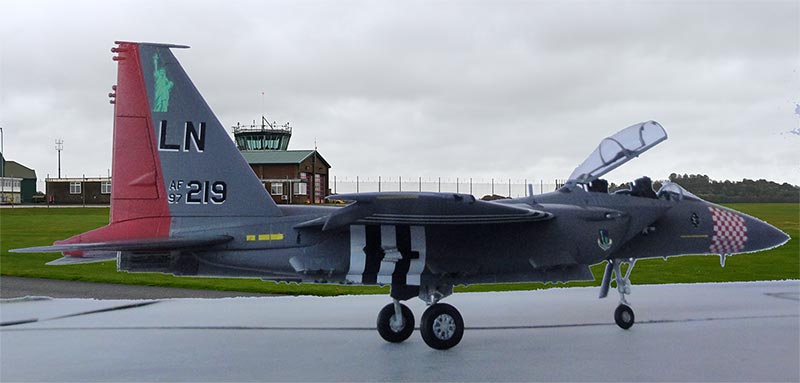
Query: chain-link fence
479, 187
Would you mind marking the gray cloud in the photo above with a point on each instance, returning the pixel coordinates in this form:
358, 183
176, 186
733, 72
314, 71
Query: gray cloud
458, 89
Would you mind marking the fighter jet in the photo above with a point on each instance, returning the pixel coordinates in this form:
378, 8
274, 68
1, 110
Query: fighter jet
185, 202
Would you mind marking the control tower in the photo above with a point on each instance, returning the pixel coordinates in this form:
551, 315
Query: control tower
267, 136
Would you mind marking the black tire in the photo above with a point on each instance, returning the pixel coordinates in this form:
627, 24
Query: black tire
442, 326
623, 315
384, 324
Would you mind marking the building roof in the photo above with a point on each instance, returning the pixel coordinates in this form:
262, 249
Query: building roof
76, 179
267, 157
14, 169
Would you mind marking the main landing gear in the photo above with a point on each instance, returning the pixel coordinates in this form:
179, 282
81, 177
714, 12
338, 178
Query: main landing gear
623, 315
442, 326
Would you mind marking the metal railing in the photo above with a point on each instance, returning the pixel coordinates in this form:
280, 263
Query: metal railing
479, 187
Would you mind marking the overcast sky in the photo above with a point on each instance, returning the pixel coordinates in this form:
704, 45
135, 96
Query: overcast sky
437, 88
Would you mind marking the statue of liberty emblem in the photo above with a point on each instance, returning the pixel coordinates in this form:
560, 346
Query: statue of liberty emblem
163, 86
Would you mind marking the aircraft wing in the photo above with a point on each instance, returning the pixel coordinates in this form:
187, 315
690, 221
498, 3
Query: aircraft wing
149, 244
398, 208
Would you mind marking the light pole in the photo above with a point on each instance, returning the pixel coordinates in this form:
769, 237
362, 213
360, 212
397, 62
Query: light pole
59, 148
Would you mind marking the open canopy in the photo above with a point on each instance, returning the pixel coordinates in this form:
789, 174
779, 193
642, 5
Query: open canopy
618, 149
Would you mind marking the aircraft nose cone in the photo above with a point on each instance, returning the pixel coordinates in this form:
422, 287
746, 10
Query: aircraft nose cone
762, 236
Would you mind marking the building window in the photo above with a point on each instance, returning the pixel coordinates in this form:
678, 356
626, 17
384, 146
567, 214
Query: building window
276, 189
301, 188
74, 188
105, 187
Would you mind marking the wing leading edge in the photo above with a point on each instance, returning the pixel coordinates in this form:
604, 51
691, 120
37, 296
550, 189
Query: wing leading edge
424, 209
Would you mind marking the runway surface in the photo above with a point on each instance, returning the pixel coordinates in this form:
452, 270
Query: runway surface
13, 287
703, 332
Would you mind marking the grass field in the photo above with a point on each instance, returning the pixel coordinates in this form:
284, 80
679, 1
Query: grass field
27, 227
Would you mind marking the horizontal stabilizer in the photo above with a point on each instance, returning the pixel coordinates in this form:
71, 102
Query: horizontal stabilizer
150, 244
426, 209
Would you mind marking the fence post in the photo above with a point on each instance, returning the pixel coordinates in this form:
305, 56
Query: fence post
440, 184
379, 184
456, 184
509, 188
357, 188
420, 184
470, 185
492, 186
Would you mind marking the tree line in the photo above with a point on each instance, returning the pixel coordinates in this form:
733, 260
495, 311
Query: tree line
730, 191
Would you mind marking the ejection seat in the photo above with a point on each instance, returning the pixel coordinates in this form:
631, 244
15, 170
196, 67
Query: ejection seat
643, 187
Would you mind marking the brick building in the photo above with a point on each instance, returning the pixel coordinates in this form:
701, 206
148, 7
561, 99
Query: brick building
78, 191
291, 176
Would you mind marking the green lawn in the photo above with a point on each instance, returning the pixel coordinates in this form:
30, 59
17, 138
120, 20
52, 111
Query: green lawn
27, 227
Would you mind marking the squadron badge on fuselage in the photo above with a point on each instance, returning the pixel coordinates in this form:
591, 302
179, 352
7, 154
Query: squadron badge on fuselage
604, 241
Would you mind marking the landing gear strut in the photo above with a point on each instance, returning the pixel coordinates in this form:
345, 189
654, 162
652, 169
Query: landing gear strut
623, 315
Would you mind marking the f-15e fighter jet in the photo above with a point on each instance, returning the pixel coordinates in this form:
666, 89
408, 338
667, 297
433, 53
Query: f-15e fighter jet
185, 202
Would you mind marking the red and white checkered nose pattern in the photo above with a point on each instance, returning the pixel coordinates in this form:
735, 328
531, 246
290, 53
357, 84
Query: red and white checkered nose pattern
730, 232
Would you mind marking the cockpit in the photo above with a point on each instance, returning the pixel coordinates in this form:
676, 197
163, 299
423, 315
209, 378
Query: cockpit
618, 149
671, 191
643, 187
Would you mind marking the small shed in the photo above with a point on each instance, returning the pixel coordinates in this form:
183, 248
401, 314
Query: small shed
27, 176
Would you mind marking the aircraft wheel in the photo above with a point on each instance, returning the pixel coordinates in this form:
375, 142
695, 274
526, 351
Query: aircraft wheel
442, 326
392, 329
623, 315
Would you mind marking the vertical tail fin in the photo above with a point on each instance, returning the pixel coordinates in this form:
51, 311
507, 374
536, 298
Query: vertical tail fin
172, 158
199, 170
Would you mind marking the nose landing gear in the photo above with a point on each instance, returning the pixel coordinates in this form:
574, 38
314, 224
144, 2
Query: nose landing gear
623, 315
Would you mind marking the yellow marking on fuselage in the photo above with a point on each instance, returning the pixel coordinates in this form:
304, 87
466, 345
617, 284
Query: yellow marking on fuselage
266, 237
694, 236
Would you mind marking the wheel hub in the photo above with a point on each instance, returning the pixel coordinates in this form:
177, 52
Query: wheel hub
396, 323
626, 316
444, 327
